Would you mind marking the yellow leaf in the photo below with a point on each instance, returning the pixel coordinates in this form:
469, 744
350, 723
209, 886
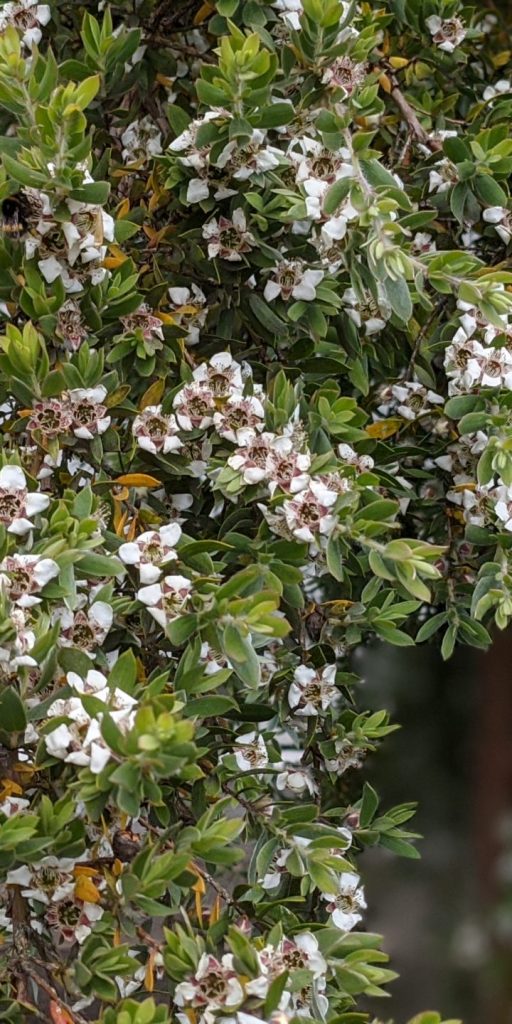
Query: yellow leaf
9, 788
166, 318
112, 262
339, 604
123, 208
385, 82
203, 13
121, 495
384, 428
164, 80
85, 870
149, 977
499, 59
398, 62
199, 888
131, 531
215, 911
120, 519
86, 890
153, 394
137, 480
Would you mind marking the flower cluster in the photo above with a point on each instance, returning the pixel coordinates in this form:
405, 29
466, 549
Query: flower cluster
255, 376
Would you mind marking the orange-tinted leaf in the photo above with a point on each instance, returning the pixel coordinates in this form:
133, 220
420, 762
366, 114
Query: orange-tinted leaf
59, 1015
86, 890
203, 13
138, 480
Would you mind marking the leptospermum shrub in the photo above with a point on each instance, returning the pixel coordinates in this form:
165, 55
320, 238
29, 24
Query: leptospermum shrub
255, 386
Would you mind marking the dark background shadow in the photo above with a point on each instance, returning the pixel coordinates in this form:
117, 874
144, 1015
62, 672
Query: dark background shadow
447, 919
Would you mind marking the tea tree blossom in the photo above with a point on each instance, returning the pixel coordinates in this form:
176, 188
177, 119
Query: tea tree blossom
252, 753
346, 904
228, 238
166, 600
214, 985
155, 431
23, 576
29, 17
312, 692
292, 280
446, 34
18, 505
309, 513
150, 550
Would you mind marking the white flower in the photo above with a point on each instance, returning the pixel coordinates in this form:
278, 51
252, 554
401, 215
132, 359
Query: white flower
23, 576
17, 504
308, 512
90, 416
141, 139
166, 600
500, 87
195, 406
251, 457
150, 550
27, 16
227, 238
346, 904
503, 506
155, 431
293, 280
297, 780
290, 11
413, 399
312, 690
447, 34
238, 415
501, 218
252, 753
214, 985
81, 742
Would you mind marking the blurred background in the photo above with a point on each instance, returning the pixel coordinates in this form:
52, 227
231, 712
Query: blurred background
447, 918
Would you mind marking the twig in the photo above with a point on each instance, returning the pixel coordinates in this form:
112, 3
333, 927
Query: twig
421, 337
411, 118
29, 972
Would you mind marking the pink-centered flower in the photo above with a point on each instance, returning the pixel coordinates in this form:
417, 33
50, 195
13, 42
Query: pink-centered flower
18, 505
150, 550
23, 576
89, 415
215, 985
309, 513
228, 238
166, 600
155, 431
195, 406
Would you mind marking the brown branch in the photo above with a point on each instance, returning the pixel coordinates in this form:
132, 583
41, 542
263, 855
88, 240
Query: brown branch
411, 118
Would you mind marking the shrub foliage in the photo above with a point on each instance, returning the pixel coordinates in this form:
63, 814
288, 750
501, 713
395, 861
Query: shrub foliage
254, 381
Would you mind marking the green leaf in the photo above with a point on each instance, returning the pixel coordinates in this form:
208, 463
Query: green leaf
206, 707
399, 297
96, 192
12, 712
240, 652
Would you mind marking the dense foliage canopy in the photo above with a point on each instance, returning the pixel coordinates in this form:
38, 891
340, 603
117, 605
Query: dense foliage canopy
255, 387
